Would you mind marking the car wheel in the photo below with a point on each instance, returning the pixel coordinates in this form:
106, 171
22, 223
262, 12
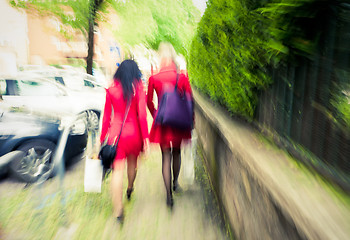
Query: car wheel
93, 120
36, 163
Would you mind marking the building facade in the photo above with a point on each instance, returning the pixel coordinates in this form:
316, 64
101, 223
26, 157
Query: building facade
29, 39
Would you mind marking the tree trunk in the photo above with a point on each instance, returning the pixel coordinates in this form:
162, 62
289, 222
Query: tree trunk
94, 7
90, 56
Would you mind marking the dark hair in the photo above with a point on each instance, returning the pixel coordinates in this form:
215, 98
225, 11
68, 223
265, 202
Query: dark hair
127, 73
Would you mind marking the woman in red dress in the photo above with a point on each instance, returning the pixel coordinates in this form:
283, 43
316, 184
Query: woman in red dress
127, 86
168, 138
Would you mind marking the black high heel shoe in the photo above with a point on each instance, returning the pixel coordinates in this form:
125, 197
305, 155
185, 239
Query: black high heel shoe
129, 192
120, 218
170, 202
176, 187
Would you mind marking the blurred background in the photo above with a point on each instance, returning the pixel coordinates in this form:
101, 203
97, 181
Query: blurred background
279, 67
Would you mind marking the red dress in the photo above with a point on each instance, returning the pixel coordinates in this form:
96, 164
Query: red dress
161, 82
135, 129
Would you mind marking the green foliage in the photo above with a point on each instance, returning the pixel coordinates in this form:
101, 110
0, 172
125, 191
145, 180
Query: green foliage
147, 22
41, 218
78, 19
228, 55
81, 15
237, 41
150, 22
343, 106
57, 9
341, 100
297, 25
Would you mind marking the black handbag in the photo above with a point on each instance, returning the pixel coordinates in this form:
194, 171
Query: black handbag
109, 151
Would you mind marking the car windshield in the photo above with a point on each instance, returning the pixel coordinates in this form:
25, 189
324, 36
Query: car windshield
37, 88
72, 81
88, 83
32, 88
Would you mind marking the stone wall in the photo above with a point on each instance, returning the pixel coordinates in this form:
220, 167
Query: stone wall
263, 194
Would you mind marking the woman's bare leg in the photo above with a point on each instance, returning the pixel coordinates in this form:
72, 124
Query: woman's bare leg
132, 170
117, 188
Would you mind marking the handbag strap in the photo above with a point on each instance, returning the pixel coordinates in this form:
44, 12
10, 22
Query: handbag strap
125, 115
177, 79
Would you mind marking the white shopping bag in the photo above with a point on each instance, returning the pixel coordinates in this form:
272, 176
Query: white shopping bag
93, 175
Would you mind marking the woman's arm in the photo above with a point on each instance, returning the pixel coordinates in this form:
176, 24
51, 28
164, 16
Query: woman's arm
150, 91
106, 117
141, 111
184, 83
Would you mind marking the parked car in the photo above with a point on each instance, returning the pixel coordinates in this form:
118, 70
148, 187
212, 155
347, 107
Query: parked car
43, 94
36, 68
6, 159
72, 79
37, 137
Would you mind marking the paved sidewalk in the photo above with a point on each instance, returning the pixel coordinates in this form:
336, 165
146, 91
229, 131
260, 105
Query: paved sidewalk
194, 216
147, 216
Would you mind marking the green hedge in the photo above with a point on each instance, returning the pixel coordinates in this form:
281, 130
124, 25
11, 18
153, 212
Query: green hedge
228, 55
237, 41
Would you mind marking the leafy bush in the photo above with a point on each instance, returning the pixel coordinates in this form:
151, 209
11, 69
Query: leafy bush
238, 41
296, 26
341, 102
343, 106
228, 56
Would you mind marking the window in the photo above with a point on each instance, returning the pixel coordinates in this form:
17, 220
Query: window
3, 87
73, 81
59, 80
37, 88
7, 87
87, 83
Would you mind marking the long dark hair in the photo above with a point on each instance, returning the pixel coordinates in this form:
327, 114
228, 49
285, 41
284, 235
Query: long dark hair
127, 73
